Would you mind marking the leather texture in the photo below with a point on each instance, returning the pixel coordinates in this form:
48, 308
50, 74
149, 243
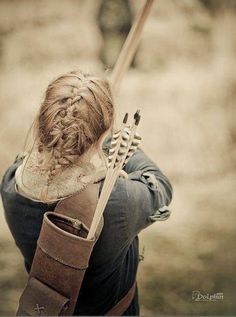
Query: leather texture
123, 304
82, 206
61, 256
37, 292
61, 259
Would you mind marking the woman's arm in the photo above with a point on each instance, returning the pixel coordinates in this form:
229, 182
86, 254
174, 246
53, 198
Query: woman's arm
149, 192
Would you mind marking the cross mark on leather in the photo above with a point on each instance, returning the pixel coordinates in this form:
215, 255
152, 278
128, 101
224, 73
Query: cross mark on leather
39, 309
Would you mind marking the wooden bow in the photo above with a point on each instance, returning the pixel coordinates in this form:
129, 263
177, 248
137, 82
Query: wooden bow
129, 48
124, 142
123, 145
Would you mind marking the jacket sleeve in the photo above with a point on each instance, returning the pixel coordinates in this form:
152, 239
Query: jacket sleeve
149, 192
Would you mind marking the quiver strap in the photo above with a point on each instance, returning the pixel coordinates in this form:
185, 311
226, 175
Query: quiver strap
81, 206
61, 257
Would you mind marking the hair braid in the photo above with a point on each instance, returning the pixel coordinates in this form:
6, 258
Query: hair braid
76, 111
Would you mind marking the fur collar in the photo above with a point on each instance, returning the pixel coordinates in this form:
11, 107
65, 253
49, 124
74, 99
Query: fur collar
31, 179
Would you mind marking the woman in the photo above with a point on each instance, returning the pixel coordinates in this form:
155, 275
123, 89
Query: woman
68, 154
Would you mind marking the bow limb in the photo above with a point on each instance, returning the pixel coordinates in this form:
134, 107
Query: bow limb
129, 48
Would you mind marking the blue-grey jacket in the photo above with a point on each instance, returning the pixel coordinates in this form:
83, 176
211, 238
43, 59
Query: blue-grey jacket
134, 204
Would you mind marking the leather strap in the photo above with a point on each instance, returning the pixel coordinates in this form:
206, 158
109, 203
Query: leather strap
82, 206
123, 304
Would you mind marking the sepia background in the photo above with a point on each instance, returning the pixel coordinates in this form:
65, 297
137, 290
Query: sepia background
183, 79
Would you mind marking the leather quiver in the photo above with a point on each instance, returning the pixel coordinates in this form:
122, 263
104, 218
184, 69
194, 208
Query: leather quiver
58, 268
61, 259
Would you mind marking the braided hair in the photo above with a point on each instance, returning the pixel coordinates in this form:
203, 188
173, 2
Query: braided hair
76, 111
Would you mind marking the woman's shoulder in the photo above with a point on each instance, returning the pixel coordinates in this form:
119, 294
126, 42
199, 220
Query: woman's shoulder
8, 180
11, 198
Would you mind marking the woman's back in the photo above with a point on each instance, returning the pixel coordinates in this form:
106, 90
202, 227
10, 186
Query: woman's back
135, 202
113, 263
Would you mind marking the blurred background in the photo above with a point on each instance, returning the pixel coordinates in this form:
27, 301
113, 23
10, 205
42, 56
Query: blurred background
183, 79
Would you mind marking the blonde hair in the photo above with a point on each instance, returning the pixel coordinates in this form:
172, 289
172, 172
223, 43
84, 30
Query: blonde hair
77, 110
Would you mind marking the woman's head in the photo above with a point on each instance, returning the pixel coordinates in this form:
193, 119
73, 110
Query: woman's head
75, 114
